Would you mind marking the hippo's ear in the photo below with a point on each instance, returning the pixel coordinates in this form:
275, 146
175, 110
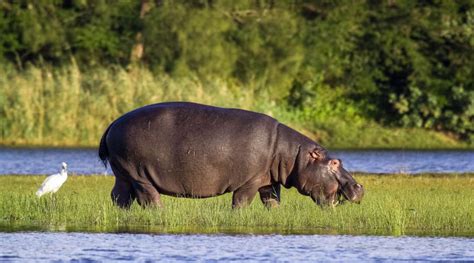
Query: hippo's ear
335, 164
318, 154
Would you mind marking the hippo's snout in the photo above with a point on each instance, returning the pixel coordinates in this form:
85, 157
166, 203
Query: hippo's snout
353, 193
358, 193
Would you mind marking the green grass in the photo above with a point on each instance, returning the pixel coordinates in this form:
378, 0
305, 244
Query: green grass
67, 107
393, 205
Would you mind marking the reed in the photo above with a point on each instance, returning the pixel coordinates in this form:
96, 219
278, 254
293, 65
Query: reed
393, 205
68, 107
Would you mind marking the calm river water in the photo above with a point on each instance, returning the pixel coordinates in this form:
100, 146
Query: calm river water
81, 247
85, 161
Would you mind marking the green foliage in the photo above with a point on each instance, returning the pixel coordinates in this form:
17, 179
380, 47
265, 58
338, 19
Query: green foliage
400, 63
270, 51
53, 31
187, 43
421, 68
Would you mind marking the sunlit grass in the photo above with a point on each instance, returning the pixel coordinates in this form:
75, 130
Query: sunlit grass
68, 107
393, 205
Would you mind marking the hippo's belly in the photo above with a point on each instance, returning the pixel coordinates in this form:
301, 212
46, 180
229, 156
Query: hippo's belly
197, 151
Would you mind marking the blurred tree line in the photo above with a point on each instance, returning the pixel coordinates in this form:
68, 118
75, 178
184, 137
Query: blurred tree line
401, 62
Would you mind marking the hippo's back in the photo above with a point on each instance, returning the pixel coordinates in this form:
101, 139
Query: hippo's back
191, 149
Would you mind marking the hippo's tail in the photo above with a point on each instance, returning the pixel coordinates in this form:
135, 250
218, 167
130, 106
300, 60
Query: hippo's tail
103, 150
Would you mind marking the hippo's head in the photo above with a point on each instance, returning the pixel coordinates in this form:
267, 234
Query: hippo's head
327, 182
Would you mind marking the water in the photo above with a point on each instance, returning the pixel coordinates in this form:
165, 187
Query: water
85, 161
408, 161
37, 246
48, 161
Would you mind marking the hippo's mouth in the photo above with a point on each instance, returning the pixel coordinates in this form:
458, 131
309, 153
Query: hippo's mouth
344, 194
341, 196
339, 200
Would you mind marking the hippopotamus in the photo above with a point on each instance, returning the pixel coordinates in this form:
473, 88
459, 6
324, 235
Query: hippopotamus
191, 150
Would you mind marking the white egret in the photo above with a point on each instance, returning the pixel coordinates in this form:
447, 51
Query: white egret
53, 182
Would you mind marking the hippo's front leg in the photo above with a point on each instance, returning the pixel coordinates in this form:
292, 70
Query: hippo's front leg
244, 195
270, 195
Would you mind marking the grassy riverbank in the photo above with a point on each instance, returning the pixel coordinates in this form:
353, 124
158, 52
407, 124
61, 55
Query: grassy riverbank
68, 107
393, 205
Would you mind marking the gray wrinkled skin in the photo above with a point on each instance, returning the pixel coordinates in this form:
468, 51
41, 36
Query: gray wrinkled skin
198, 151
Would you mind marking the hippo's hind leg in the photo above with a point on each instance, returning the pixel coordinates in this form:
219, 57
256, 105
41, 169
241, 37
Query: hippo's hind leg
270, 195
122, 193
147, 195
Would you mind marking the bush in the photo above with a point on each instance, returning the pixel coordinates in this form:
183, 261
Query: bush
400, 63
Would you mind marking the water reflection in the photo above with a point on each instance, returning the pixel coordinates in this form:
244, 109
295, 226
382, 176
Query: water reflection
6, 227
